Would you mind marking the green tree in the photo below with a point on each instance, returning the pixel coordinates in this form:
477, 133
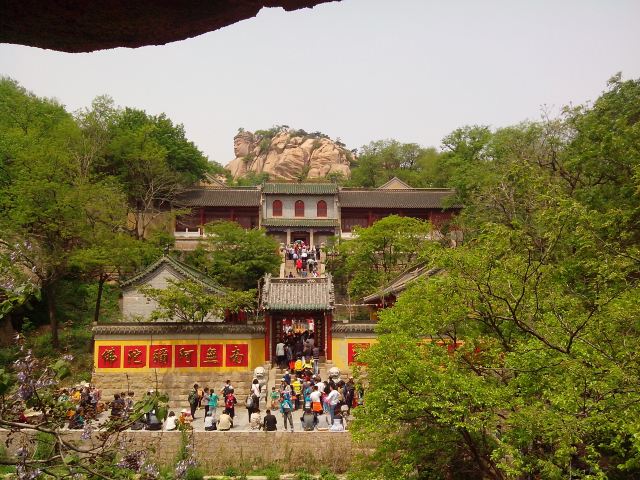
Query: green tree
235, 257
188, 301
541, 304
47, 203
381, 251
109, 255
382, 160
150, 157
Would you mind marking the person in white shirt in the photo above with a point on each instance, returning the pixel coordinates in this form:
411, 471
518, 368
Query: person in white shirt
337, 425
210, 422
323, 423
332, 401
255, 423
280, 354
316, 401
170, 423
255, 388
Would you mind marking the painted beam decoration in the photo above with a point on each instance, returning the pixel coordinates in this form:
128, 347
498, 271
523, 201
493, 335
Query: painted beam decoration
109, 356
353, 349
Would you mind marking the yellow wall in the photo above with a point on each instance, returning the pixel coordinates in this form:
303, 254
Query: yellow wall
255, 355
340, 349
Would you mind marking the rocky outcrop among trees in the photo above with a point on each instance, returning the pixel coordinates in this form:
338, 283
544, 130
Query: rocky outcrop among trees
288, 154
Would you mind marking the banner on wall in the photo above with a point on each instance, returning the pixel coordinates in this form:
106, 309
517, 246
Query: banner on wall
203, 355
109, 356
160, 356
237, 355
211, 355
353, 349
186, 356
135, 356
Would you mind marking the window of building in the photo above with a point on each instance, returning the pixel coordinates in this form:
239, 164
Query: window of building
276, 208
299, 208
322, 209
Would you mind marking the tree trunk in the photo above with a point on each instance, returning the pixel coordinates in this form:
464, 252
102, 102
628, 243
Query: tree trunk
50, 292
96, 313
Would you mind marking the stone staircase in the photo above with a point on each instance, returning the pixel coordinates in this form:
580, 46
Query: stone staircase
289, 266
276, 373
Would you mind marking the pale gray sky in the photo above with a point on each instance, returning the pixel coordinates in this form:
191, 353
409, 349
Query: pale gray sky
361, 70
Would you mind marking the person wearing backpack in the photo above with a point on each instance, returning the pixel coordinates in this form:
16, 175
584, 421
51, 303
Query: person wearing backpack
194, 399
250, 404
225, 389
286, 407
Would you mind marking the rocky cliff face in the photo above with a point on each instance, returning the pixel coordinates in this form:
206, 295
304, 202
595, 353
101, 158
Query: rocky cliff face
288, 155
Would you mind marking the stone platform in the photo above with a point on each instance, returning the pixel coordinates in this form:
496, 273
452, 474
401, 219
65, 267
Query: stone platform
239, 448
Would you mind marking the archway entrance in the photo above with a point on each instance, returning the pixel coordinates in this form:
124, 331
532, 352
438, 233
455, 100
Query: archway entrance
295, 307
300, 236
294, 328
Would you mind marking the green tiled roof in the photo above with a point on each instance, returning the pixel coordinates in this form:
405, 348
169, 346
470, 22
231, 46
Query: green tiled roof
298, 294
403, 198
301, 188
185, 270
219, 197
300, 222
402, 281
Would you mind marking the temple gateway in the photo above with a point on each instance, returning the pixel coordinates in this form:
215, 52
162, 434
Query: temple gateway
137, 354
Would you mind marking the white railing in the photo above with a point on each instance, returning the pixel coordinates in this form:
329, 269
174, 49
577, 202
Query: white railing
188, 233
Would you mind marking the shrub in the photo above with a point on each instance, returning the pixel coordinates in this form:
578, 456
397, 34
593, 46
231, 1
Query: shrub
303, 475
325, 474
195, 473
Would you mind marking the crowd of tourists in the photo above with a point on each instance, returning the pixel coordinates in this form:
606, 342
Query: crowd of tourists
297, 349
323, 406
305, 258
84, 402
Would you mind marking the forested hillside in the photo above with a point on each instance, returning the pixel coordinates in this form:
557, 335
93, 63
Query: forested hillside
80, 195
539, 309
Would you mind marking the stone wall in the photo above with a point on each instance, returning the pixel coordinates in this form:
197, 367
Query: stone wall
176, 384
217, 451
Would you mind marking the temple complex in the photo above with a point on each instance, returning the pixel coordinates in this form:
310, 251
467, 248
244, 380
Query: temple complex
311, 212
137, 354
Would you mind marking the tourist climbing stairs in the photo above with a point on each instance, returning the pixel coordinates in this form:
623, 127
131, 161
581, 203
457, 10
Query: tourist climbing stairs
289, 267
276, 373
